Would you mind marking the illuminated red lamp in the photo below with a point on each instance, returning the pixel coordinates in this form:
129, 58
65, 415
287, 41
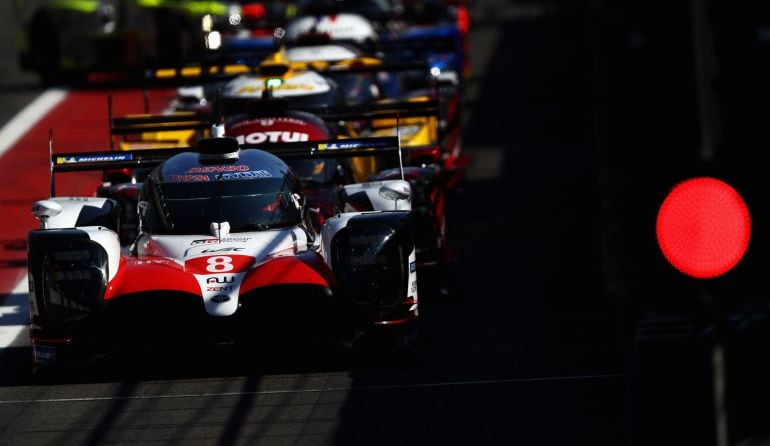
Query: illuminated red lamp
703, 227
253, 11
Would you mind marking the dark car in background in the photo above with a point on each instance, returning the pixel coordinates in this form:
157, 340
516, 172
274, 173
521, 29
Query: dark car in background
65, 40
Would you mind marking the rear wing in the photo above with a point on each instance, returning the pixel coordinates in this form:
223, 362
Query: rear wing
206, 71
382, 110
132, 124
276, 107
336, 148
332, 148
103, 160
140, 123
137, 124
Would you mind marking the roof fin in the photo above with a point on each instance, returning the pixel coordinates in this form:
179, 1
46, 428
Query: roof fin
50, 162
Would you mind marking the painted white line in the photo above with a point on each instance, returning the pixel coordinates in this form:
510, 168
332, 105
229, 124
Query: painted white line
14, 315
29, 116
327, 389
14, 308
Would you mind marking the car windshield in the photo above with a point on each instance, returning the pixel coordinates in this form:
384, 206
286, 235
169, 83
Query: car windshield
252, 204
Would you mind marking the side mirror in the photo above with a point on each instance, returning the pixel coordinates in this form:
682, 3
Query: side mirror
396, 190
44, 209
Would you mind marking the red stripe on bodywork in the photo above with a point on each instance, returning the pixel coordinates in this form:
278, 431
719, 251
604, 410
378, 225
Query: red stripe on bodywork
306, 268
154, 274
159, 274
120, 277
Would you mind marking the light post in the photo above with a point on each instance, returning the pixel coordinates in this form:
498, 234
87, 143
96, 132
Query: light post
703, 229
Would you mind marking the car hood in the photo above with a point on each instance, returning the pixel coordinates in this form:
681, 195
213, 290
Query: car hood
215, 268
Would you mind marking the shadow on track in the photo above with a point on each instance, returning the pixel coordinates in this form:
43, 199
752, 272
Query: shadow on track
531, 350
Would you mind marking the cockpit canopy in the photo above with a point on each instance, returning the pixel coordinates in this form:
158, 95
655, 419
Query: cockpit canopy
185, 194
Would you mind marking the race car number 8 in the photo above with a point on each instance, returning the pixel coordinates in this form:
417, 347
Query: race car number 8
233, 263
219, 264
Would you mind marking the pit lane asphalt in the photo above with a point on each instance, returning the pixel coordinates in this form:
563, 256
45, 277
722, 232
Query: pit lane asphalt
17, 88
528, 349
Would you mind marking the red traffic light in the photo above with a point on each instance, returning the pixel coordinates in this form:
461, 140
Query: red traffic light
703, 227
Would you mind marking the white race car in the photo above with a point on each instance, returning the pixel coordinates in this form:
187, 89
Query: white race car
224, 254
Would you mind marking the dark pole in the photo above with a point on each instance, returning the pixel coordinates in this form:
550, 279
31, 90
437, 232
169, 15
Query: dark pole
718, 366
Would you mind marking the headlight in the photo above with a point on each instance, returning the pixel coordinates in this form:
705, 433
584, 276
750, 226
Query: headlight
370, 262
75, 276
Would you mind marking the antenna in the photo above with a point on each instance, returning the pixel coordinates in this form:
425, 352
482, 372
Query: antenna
398, 136
219, 203
218, 115
50, 162
109, 117
435, 72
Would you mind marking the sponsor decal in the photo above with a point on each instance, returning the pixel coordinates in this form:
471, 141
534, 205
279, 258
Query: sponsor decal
414, 287
212, 251
93, 158
412, 267
246, 89
206, 241
223, 279
272, 136
268, 122
217, 169
244, 175
217, 240
233, 249
353, 145
220, 298
44, 354
220, 288
185, 178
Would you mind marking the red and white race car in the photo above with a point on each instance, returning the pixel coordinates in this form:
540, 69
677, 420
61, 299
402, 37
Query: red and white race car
224, 254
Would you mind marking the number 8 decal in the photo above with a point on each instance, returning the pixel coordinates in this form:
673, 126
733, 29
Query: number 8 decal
219, 264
